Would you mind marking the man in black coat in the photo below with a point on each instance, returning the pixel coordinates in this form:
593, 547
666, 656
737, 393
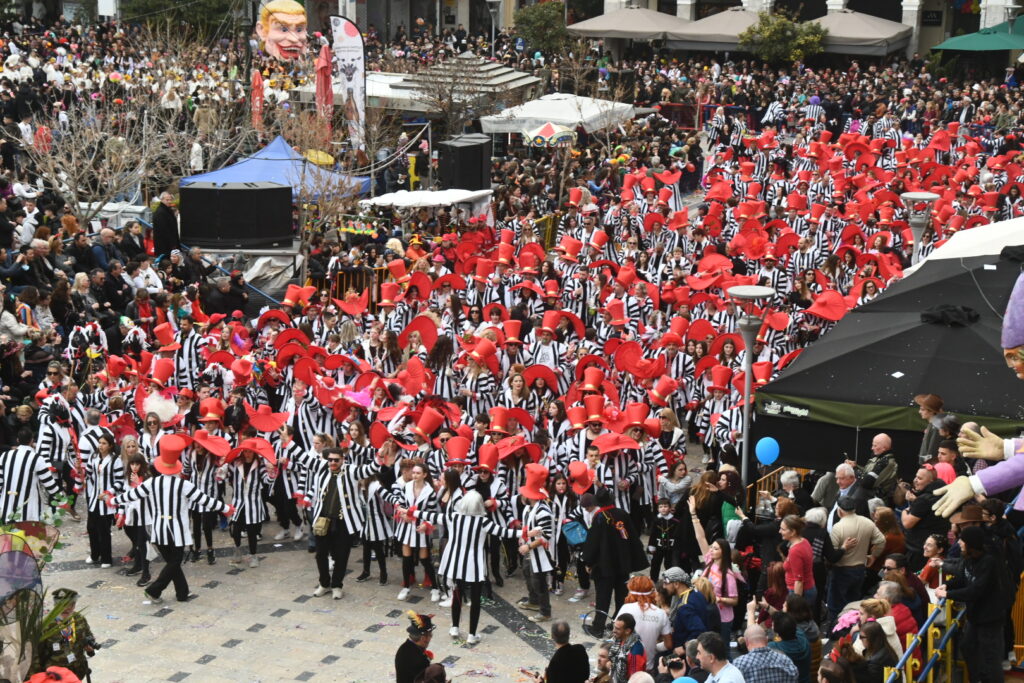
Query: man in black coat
165, 227
612, 552
570, 663
411, 658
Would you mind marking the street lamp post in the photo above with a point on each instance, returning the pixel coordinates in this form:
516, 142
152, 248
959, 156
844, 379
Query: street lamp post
748, 296
494, 7
918, 217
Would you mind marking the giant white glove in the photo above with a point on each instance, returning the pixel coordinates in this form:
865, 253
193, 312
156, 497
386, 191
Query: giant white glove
953, 496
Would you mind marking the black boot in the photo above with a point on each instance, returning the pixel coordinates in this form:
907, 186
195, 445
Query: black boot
134, 569
383, 579
210, 558
363, 577
195, 555
144, 579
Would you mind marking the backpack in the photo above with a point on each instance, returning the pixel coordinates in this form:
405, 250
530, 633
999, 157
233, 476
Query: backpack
574, 532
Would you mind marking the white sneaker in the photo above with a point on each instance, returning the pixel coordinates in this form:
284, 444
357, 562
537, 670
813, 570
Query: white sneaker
473, 639
435, 595
298, 534
447, 602
337, 593
104, 566
403, 594
558, 591
454, 631
321, 591
88, 560
281, 535
579, 595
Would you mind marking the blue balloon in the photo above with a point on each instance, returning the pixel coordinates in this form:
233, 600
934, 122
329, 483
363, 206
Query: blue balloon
767, 450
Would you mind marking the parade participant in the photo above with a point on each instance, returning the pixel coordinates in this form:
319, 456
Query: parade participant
537, 563
413, 657
169, 497
23, 471
73, 643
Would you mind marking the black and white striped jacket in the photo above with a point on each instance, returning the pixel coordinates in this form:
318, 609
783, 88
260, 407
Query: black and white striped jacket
247, 490
465, 558
347, 481
168, 499
102, 474
23, 470
188, 360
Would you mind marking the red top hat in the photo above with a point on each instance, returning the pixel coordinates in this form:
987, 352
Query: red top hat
552, 290
594, 405
115, 366
580, 477
536, 477
635, 414
513, 444
661, 393
214, 444
163, 368
598, 240
762, 371
617, 310
499, 420
169, 459
593, 379
512, 329
484, 269
550, 321
534, 372
569, 248
457, 449
647, 184
721, 375
506, 254
430, 420
487, 457
483, 350
263, 419
297, 295
242, 371
390, 294
211, 410
575, 196
577, 417
665, 195
397, 270
164, 334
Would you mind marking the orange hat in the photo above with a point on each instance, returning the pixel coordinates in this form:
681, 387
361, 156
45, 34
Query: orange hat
594, 405
211, 410
499, 420
163, 368
457, 449
430, 420
264, 419
617, 311
661, 393
487, 458
169, 459
164, 334
721, 375
536, 478
580, 477
390, 294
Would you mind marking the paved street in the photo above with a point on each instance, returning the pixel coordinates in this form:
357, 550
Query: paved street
264, 624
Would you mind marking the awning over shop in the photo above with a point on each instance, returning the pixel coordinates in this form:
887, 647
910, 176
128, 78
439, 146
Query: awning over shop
633, 23
716, 33
985, 40
856, 33
561, 109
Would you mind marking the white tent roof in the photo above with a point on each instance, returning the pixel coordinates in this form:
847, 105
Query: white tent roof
718, 32
561, 109
632, 22
984, 240
404, 199
856, 33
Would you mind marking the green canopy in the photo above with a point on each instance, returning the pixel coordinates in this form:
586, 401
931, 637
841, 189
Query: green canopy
987, 39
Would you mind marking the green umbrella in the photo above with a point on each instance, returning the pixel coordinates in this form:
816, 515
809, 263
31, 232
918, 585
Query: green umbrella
984, 40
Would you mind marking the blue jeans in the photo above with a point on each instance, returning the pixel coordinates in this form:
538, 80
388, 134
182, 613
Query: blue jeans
811, 596
844, 586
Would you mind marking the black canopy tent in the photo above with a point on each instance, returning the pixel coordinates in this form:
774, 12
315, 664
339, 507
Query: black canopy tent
861, 378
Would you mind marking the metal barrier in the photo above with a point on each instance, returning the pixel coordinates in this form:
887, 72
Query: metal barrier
686, 116
186, 247
356, 280
938, 647
707, 113
769, 483
547, 229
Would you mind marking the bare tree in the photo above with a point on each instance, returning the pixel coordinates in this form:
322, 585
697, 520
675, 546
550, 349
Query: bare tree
453, 90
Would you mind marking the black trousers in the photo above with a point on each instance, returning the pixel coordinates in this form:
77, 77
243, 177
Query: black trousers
252, 532
137, 535
337, 544
285, 508
203, 524
98, 527
377, 547
461, 587
982, 649
603, 600
171, 573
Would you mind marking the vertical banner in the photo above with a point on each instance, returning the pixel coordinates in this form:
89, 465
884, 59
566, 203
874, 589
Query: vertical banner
350, 72
257, 100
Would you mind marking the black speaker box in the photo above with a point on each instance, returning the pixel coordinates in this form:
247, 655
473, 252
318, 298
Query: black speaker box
236, 215
464, 162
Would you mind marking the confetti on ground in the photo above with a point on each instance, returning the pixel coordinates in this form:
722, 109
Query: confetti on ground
112, 617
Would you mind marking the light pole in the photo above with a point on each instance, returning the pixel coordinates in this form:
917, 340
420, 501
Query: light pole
918, 217
494, 7
748, 297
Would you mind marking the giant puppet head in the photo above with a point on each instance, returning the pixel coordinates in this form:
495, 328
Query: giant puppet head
1013, 329
282, 29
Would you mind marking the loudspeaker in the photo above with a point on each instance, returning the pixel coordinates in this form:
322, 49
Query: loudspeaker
464, 162
236, 215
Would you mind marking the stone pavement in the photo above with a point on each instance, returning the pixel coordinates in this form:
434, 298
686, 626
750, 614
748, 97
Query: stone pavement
264, 624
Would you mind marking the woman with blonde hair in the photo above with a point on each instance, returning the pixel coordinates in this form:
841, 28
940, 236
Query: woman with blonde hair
878, 610
652, 622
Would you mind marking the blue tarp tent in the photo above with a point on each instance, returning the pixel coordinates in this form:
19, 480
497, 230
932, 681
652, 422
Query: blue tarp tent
279, 163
